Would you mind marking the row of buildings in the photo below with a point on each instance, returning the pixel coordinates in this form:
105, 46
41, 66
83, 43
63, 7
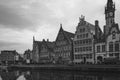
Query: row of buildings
10, 57
13, 57
89, 44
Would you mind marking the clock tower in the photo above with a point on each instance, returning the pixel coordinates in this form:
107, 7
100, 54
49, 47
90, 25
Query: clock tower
109, 15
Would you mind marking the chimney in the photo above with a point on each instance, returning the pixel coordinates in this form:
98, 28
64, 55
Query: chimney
47, 40
43, 39
96, 23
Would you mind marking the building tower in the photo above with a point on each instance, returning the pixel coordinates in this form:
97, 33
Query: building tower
109, 16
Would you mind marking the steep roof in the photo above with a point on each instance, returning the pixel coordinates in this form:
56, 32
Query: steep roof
99, 35
67, 35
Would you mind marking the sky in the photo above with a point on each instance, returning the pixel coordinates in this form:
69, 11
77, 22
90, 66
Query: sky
20, 20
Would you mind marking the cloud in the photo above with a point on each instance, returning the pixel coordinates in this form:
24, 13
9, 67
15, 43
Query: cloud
20, 47
21, 19
10, 18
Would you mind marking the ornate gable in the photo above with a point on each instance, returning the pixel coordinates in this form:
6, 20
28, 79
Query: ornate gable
114, 29
114, 34
84, 29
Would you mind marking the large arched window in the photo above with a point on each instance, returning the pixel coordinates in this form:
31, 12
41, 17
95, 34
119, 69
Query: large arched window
116, 46
111, 46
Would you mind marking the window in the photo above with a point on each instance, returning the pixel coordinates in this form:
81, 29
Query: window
98, 48
86, 41
113, 35
86, 48
83, 48
116, 46
78, 56
89, 41
80, 42
117, 55
75, 42
103, 48
111, 47
78, 36
111, 55
90, 48
83, 29
80, 49
83, 35
86, 35
83, 41
75, 49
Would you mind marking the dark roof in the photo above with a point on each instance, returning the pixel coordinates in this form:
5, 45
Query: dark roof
50, 45
67, 35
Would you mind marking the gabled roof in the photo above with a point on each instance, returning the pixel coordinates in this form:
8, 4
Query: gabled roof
66, 34
69, 35
99, 35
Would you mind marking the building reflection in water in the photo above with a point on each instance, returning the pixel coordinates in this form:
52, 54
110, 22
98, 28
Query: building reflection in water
1, 78
56, 75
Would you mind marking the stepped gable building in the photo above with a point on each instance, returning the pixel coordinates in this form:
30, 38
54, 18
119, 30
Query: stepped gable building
63, 46
93, 45
43, 51
83, 42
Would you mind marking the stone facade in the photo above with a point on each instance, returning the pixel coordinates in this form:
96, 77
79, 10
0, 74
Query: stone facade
83, 42
100, 52
113, 42
9, 56
63, 46
89, 44
42, 51
27, 56
108, 44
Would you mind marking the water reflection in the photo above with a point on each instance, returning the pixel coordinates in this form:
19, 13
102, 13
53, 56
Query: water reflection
0, 78
21, 77
56, 75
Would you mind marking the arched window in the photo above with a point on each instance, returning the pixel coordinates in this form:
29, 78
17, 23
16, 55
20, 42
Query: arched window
111, 46
116, 46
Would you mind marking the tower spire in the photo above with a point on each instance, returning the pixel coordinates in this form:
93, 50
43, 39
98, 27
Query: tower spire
109, 15
61, 27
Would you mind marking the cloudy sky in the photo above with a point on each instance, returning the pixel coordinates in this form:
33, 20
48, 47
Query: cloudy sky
20, 20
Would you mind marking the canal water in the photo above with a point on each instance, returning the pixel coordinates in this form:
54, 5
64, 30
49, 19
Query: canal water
56, 75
